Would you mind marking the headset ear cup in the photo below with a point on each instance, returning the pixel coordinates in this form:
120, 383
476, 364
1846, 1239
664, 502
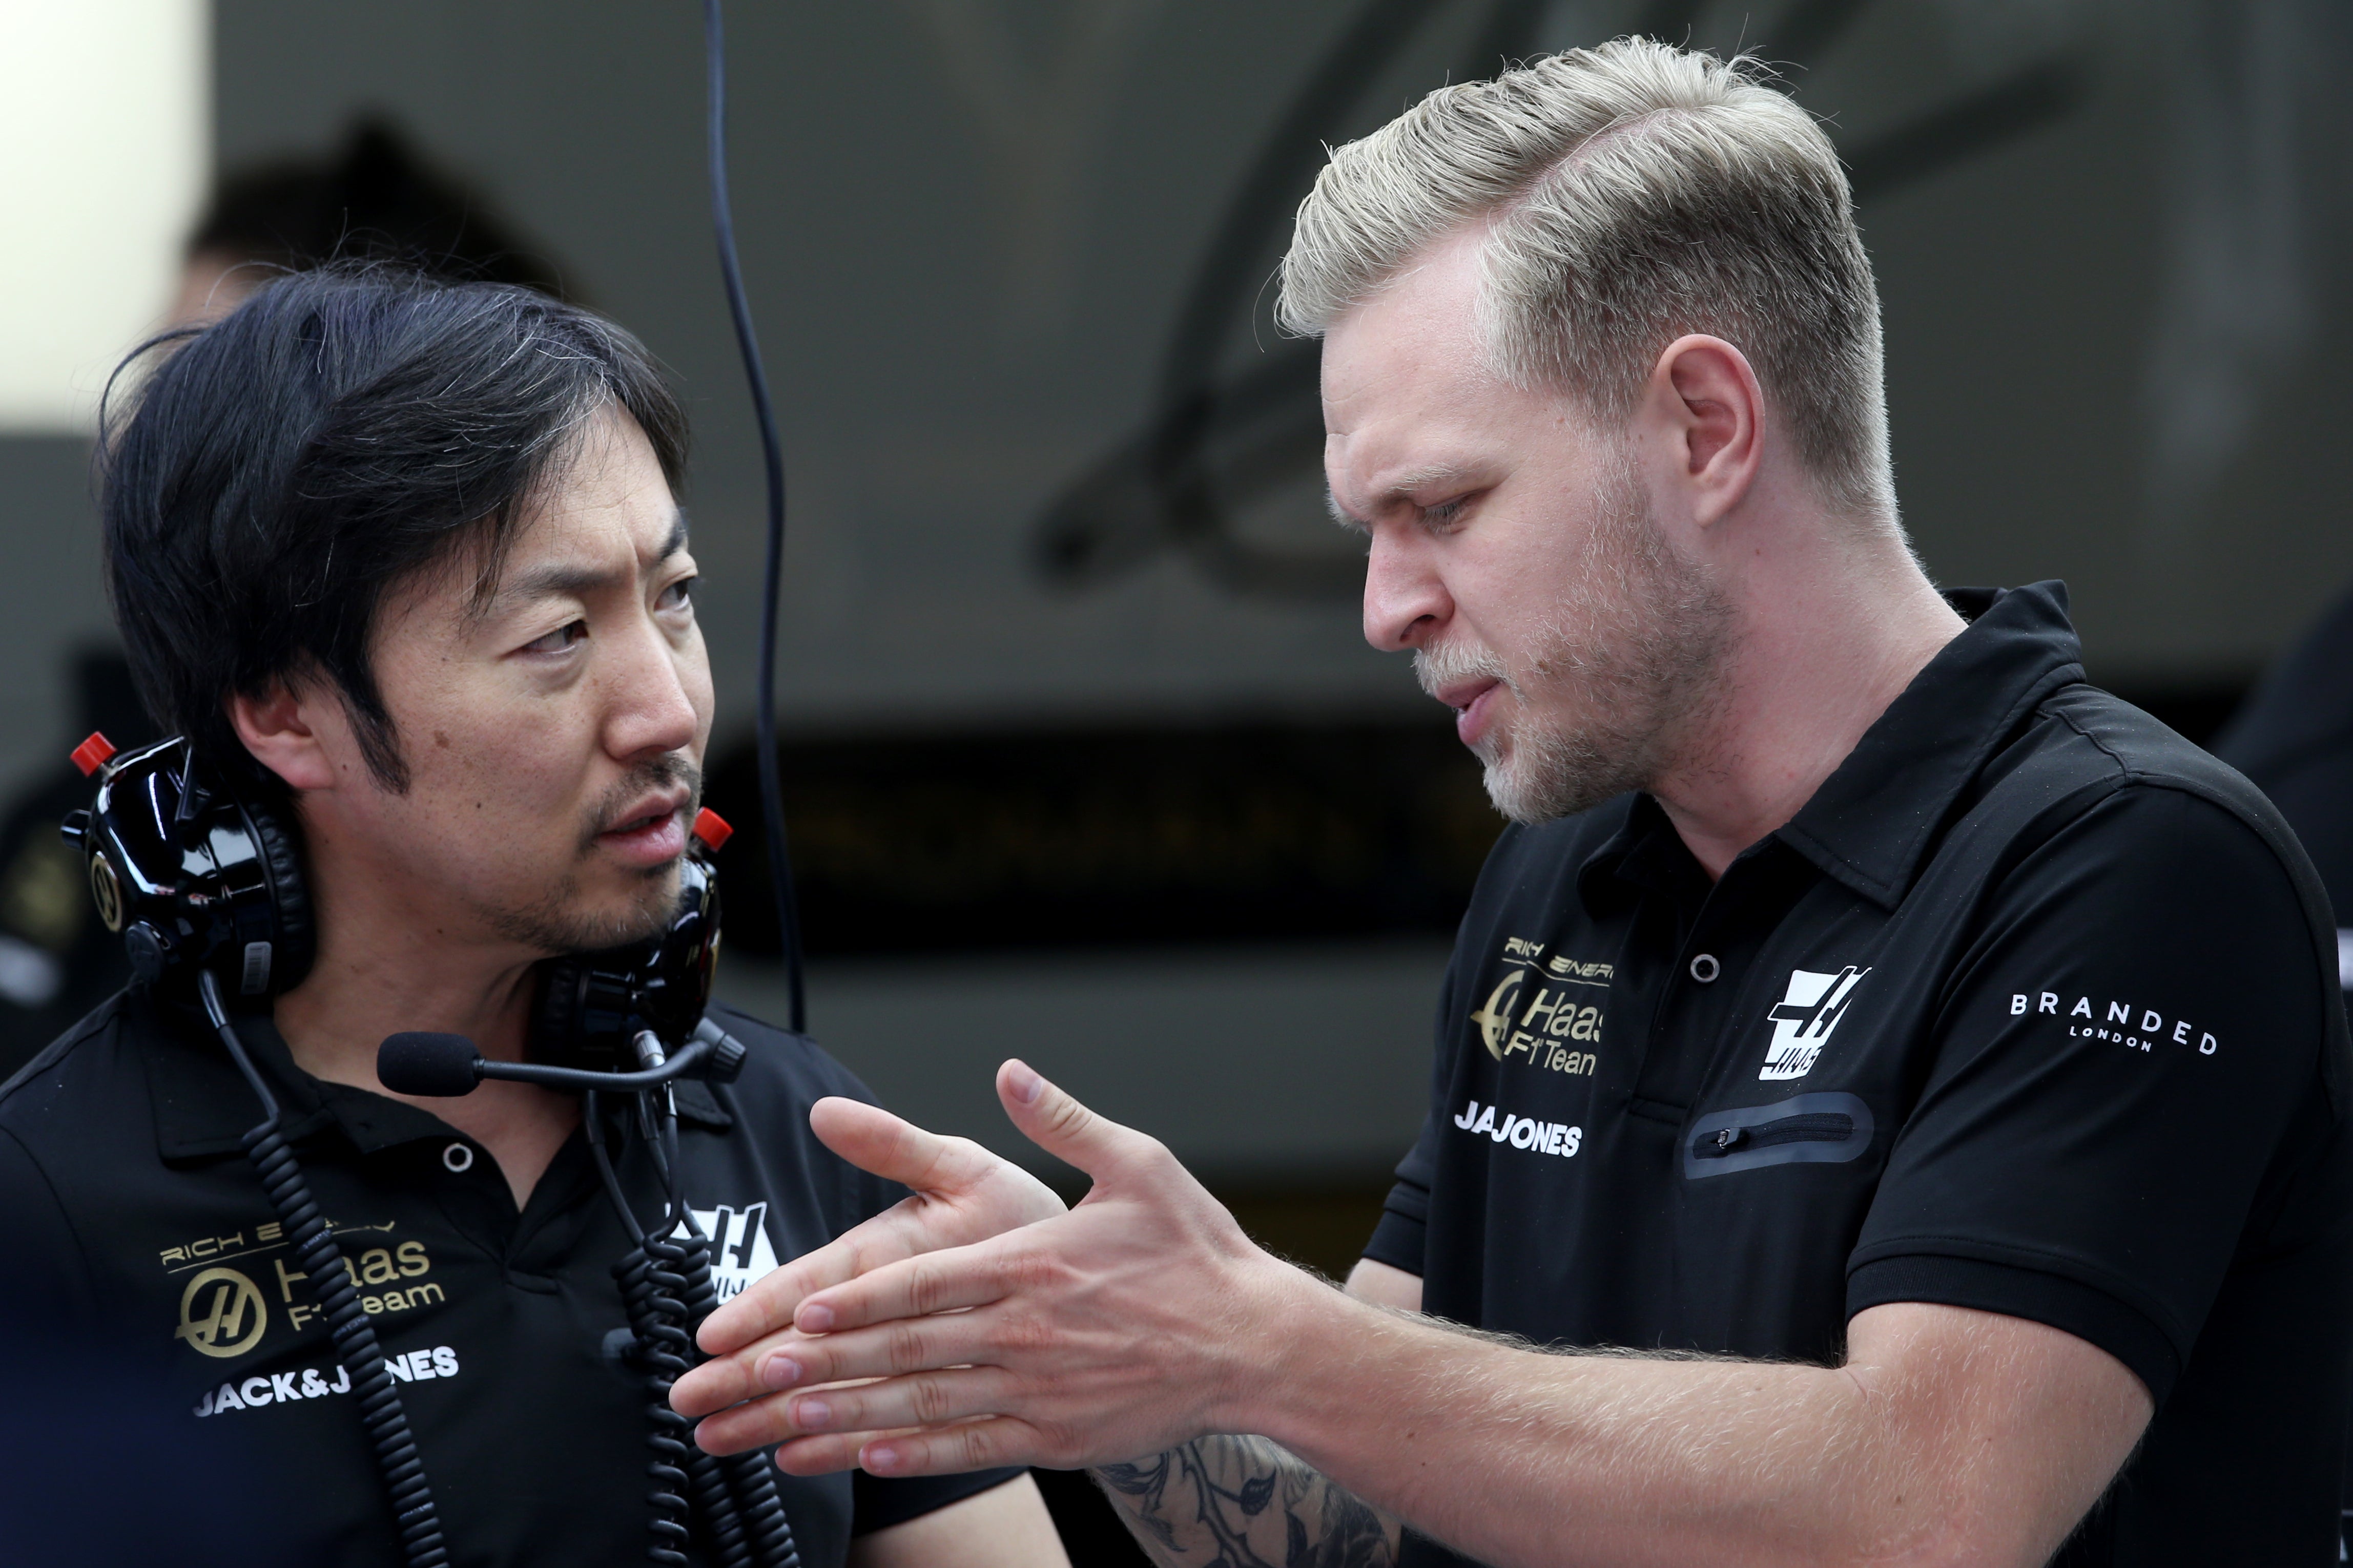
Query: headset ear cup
295, 942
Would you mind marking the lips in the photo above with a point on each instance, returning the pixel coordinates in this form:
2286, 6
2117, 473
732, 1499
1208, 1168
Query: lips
651, 831
1473, 702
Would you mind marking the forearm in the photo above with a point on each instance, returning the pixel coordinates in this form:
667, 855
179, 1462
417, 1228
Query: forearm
1520, 1458
1245, 1503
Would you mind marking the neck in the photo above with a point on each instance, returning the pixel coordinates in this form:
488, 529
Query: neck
1826, 636
385, 964
360, 990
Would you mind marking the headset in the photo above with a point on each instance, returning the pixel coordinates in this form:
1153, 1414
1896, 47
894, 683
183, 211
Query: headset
195, 877
205, 888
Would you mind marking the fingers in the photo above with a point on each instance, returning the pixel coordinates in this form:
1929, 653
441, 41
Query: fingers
874, 1139
871, 1139
958, 1340
946, 1282
768, 1303
862, 1410
715, 1385
1049, 1117
969, 1445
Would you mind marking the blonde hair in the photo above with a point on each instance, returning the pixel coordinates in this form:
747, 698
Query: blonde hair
1630, 194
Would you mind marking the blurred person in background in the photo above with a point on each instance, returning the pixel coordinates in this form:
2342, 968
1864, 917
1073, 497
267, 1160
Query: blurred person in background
2295, 739
376, 197
373, 196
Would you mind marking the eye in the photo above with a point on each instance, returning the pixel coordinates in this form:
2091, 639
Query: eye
559, 640
1446, 513
677, 595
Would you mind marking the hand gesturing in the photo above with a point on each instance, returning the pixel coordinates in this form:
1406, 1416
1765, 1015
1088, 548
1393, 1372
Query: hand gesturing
999, 1328
961, 1193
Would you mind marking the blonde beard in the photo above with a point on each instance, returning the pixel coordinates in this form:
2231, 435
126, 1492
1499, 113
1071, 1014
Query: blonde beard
1636, 642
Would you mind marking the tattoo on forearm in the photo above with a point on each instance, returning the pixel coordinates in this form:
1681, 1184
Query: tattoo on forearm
1245, 1503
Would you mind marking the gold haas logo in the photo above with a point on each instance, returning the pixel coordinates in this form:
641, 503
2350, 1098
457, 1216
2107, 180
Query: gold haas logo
234, 1314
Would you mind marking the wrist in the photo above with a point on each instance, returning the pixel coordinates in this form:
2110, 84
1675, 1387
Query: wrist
1296, 1330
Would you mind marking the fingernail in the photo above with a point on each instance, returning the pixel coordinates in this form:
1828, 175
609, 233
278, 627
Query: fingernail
814, 1319
809, 1415
878, 1456
779, 1372
1026, 1085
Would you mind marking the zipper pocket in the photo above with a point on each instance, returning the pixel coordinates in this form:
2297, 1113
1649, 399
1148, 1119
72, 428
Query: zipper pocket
1807, 1129
1818, 1127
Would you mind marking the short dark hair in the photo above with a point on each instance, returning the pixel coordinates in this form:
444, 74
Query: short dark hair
277, 472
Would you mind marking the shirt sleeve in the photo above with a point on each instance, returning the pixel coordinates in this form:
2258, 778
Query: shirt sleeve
52, 1281
2117, 1065
1400, 1236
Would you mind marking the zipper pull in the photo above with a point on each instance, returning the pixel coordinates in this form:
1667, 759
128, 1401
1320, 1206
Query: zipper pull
1727, 1138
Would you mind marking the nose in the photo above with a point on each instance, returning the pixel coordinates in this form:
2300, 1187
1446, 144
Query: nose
1406, 601
657, 692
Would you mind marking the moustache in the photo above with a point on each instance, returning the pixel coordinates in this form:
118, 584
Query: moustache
662, 773
1435, 669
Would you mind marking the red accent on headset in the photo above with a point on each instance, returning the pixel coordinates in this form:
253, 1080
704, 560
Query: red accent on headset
711, 828
92, 754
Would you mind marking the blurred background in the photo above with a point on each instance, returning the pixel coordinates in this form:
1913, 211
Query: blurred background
1085, 755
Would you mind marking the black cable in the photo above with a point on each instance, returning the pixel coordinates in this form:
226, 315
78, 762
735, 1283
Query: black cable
772, 449
667, 1291
314, 1248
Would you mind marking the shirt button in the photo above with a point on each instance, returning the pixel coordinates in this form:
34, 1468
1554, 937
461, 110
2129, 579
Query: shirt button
1704, 968
457, 1157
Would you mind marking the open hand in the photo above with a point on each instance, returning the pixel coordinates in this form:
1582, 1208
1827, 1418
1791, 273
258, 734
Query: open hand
1133, 1322
962, 1193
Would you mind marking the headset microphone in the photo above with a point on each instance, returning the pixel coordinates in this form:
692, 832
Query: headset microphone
427, 1065
443, 1067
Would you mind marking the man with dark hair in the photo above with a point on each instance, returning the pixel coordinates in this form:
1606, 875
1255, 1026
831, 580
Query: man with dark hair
1889, 1098
372, 196
404, 562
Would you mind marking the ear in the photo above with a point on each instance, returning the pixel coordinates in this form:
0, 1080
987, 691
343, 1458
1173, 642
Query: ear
1705, 402
281, 730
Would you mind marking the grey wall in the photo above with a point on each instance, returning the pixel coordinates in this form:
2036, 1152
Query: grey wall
958, 274
967, 224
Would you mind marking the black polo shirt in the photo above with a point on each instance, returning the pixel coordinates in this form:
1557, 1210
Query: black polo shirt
2031, 1009
126, 1200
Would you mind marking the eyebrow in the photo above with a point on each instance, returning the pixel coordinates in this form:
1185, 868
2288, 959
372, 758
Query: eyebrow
1398, 490
577, 581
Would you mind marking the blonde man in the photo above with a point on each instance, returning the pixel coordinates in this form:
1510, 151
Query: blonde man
1889, 1095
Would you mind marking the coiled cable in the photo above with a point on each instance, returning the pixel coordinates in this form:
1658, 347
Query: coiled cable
651, 1289
667, 1290
381, 1413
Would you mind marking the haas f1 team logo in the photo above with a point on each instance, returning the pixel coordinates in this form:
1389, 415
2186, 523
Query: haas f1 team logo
222, 1313
1804, 1018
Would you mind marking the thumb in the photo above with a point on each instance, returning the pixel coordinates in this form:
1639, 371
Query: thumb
873, 1140
1049, 1117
